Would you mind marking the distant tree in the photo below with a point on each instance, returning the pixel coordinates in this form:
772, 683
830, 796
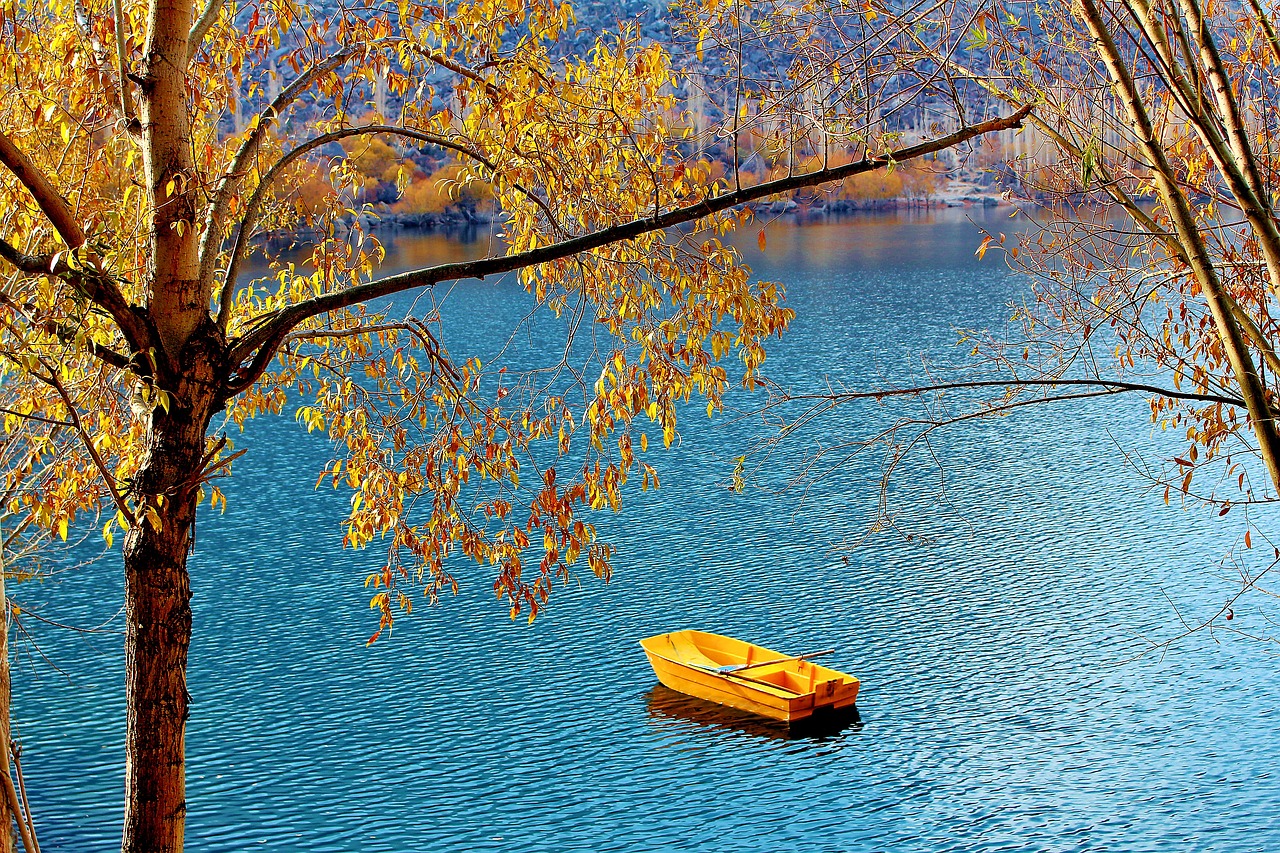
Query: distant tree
1155, 258
126, 320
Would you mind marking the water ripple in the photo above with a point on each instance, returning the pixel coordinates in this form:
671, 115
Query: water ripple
1001, 706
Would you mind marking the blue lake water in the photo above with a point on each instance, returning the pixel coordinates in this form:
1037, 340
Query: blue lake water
1005, 704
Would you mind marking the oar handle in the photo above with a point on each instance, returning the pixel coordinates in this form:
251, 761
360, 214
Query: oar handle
806, 656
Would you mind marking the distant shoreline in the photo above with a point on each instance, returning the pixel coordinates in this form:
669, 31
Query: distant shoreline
958, 196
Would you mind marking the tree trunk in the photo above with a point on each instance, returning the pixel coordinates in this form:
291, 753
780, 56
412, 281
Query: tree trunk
158, 634
1235, 347
8, 817
158, 600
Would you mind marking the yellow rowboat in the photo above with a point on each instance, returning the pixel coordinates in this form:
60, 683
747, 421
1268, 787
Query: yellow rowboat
746, 676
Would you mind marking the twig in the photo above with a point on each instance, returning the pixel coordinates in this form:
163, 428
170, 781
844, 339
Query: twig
34, 846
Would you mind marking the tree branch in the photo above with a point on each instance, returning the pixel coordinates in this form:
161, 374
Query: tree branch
259, 344
201, 27
438, 58
37, 418
57, 330
50, 201
1268, 27
1238, 163
216, 214
250, 220
29, 264
122, 68
1107, 386
78, 426
11, 793
96, 286
1177, 206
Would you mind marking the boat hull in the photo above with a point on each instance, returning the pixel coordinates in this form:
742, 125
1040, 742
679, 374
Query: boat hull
785, 689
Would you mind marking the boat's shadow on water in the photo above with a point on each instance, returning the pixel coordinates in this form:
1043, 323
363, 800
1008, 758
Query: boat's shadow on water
665, 704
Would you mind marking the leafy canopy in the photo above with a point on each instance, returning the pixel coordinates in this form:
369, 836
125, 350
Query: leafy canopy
133, 204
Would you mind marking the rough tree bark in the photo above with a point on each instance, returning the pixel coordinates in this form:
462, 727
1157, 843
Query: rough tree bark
189, 370
158, 597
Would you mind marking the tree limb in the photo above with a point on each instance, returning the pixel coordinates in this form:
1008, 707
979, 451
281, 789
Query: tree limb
122, 67
260, 343
216, 215
37, 418
11, 793
1269, 27
252, 210
22, 791
202, 25
94, 284
78, 426
57, 330
1107, 386
1177, 206
50, 201
438, 58
29, 264
1238, 163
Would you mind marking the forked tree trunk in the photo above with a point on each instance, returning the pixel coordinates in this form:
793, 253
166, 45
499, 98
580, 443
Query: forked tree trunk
158, 604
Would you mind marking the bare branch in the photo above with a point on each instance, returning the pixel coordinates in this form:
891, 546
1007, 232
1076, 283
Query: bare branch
11, 794
1107, 385
1248, 584
260, 343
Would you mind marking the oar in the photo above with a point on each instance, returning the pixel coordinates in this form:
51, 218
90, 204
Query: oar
714, 670
739, 667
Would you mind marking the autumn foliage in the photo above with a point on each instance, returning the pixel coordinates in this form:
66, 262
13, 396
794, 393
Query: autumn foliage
147, 149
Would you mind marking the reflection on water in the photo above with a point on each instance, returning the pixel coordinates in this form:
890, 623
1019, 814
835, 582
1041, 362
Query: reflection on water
666, 706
